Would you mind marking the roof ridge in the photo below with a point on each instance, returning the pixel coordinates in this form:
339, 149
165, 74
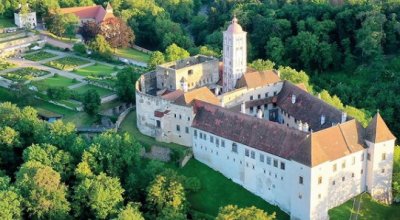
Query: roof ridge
344, 137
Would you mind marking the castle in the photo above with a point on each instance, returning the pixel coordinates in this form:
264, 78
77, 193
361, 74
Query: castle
268, 135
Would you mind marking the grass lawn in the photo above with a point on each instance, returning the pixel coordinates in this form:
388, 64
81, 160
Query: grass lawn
59, 81
66, 63
7, 65
133, 54
370, 210
5, 23
101, 91
24, 74
95, 70
217, 191
42, 55
77, 118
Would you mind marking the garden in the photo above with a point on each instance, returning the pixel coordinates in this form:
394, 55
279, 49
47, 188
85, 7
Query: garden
42, 55
133, 54
6, 65
100, 90
66, 63
96, 70
25, 74
58, 80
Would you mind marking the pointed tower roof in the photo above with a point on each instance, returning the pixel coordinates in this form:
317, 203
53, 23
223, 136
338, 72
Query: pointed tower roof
235, 28
183, 80
377, 130
109, 7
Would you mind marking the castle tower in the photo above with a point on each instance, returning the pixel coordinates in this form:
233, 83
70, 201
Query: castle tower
234, 55
379, 159
109, 9
184, 84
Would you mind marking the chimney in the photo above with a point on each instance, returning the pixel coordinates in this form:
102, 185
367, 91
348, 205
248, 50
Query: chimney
259, 114
322, 119
319, 95
216, 91
344, 117
305, 127
293, 98
300, 126
221, 103
278, 73
243, 108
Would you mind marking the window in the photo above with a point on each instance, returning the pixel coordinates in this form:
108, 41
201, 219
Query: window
319, 196
353, 160
178, 128
261, 158
234, 147
362, 171
362, 157
282, 166
175, 115
217, 141
251, 109
246, 153
320, 180
188, 118
266, 95
334, 167
333, 182
158, 124
253, 154
344, 164
269, 160
211, 139
222, 143
383, 170
180, 116
275, 163
343, 178
187, 130
201, 135
205, 137
275, 93
352, 175
368, 156
301, 180
251, 97
195, 133
384, 156
300, 196
259, 96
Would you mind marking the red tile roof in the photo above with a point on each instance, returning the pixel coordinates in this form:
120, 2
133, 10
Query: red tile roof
253, 78
203, 94
377, 130
96, 12
173, 95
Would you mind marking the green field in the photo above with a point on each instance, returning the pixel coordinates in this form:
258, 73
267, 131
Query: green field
370, 210
95, 70
59, 81
133, 54
66, 63
42, 55
5, 23
101, 91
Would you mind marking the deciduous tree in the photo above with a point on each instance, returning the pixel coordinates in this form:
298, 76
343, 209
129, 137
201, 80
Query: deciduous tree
173, 52
89, 30
91, 102
126, 81
156, 58
117, 33
231, 212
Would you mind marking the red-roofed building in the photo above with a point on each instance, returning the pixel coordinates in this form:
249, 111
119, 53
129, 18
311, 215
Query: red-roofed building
90, 13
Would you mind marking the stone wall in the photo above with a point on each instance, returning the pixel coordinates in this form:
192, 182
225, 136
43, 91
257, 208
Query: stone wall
108, 98
26, 40
13, 37
136, 47
157, 152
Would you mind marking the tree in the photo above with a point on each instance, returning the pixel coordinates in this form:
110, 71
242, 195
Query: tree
43, 192
117, 33
70, 20
101, 49
22, 93
231, 212
89, 30
55, 23
79, 48
166, 199
156, 58
97, 197
260, 64
173, 52
125, 85
130, 212
91, 102
58, 93
10, 205
275, 50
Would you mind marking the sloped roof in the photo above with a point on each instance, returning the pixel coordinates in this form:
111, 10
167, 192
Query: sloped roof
260, 134
377, 130
96, 12
203, 94
302, 86
253, 78
307, 107
173, 95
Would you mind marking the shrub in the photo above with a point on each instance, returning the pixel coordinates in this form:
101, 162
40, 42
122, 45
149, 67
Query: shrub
58, 93
79, 48
56, 75
115, 68
74, 70
74, 80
